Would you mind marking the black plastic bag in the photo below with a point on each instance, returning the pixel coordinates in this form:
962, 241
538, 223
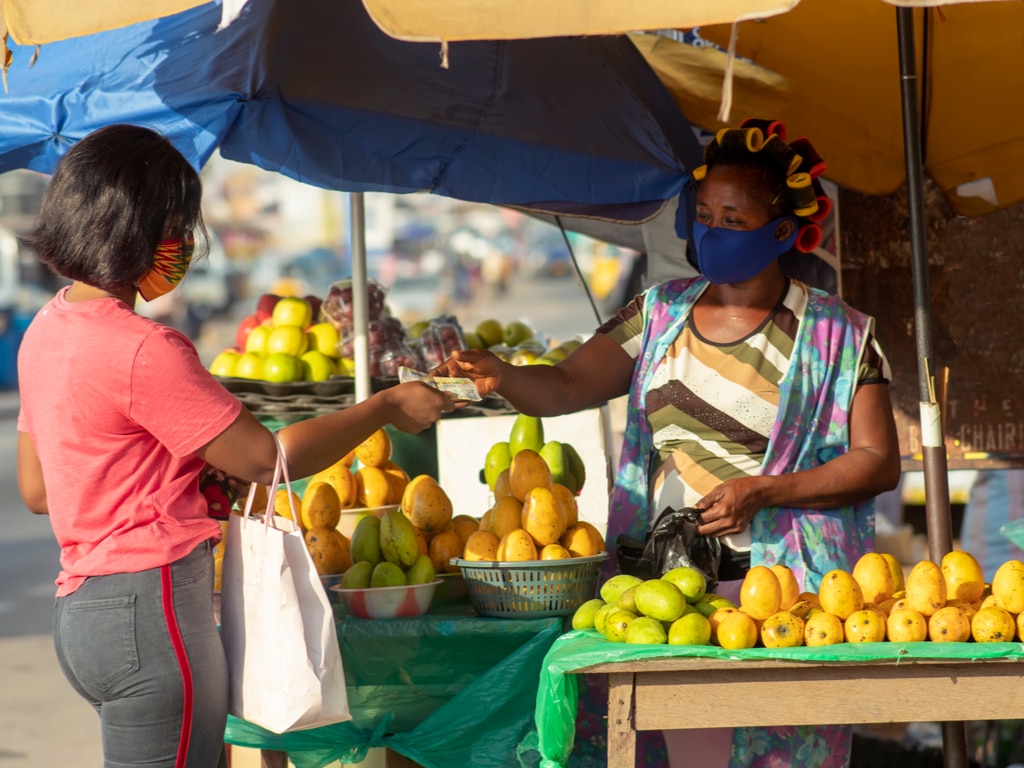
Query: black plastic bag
673, 542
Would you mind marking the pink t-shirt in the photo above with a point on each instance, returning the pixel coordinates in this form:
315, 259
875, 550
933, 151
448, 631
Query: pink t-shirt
116, 406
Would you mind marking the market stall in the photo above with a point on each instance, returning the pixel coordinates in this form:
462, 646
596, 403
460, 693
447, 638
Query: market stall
446, 690
653, 688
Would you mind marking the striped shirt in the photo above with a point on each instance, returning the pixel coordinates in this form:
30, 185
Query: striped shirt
712, 406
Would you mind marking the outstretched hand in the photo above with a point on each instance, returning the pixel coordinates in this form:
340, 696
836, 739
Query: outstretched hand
483, 368
416, 406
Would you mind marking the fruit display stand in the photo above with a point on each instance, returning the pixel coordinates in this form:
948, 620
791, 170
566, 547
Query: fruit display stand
446, 690
657, 687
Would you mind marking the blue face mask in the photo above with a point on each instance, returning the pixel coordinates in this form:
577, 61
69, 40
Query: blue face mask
732, 255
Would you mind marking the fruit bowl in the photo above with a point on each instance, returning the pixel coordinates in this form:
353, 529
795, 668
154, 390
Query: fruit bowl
388, 602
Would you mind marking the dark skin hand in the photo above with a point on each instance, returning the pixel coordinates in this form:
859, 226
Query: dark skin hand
600, 370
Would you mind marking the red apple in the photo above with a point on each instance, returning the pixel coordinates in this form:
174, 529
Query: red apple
315, 303
265, 305
247, 324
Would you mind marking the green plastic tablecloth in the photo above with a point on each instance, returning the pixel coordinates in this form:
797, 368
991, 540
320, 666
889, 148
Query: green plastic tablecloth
445, 690
557, 692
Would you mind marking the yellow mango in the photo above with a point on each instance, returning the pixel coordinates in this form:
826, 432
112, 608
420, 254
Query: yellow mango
505, 516
949, 624
330, 550
285, 501
896, 569
963, 575
373, 489
443, 547
993, 625
374, 450
905, 625
874, 577
823, 628
501, 485
737, 631
464, 525
787, 583
1008, 586
320, 506
554, 552
760, 593
397, 479
481, 546
528, 471
864, 626
926, 588
582, 540
517, 546
430, 509
840, 594
411, 489
543, 516
341, 478
569, 504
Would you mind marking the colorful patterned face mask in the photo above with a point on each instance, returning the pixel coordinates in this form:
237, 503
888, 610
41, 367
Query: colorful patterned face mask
169, 266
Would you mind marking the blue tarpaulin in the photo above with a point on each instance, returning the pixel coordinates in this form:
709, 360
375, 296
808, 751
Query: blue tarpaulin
314, 90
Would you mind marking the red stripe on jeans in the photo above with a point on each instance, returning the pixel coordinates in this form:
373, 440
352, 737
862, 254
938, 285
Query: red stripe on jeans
167, 596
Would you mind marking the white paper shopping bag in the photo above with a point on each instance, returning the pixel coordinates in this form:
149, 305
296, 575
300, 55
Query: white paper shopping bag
277, 625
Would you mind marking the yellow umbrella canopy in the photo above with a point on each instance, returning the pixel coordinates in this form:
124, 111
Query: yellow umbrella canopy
839, 60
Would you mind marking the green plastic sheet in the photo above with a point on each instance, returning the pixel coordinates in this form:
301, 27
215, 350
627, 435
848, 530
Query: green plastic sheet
445, 690
558, 689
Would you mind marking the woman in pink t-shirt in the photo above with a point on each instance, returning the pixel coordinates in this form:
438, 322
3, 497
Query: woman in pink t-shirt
118, 421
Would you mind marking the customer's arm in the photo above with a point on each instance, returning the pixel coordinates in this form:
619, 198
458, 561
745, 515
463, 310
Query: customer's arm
246, 449
871, 466
30, 476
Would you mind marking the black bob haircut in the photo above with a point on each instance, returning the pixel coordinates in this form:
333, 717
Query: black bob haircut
113, 197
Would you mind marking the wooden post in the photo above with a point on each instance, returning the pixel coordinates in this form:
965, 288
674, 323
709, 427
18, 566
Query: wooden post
621, 728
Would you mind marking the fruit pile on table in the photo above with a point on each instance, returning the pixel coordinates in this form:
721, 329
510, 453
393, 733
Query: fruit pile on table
937, 602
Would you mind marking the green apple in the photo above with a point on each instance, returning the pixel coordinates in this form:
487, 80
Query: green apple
473, 340
316, 366
292, 310
287, 340
256, 342
225, 363
324, 337
516, 333
416, 329
249, 366
523, 357
490, 332
281, 368
346, 366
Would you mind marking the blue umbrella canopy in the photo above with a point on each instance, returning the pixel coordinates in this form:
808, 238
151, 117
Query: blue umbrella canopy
316, 91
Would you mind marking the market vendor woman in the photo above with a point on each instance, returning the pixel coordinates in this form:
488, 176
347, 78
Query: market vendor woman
118, 421
752, 397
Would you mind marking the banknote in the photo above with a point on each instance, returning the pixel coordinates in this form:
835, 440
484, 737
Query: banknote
460, 389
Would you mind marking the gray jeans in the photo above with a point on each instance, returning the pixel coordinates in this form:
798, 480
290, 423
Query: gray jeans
143, 649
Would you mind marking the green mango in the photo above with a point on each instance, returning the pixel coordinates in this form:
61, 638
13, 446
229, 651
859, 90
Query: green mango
358, 576
365, 545
499, 458
554, 456
422, 571
387, 574
398, 541
576, 468
527, 432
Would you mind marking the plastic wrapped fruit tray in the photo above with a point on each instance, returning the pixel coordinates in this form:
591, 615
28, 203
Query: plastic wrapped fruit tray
293, 401
533, 588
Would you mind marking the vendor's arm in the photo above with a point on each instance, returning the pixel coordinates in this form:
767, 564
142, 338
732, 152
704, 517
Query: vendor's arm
246, 449
871, 466
30, 476
597, 371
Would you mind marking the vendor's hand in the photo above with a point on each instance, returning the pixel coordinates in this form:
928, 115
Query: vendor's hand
416, 405
730, 507
483, 368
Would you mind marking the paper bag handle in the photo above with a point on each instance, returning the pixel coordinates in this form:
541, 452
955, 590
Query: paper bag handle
280, 469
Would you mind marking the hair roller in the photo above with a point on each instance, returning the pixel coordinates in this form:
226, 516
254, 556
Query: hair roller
749, 140
813, 164
787, 160
698, 173
824, 209
808, 238
767, 127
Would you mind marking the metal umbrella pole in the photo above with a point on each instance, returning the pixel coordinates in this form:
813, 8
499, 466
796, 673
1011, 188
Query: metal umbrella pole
360, 304
936, 478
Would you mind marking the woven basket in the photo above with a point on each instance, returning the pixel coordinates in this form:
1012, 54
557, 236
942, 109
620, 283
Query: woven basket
533, 588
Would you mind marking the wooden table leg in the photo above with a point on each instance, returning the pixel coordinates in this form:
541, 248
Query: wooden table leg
621, 730
272, 759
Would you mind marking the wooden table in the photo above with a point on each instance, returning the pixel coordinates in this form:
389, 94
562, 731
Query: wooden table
650, 694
